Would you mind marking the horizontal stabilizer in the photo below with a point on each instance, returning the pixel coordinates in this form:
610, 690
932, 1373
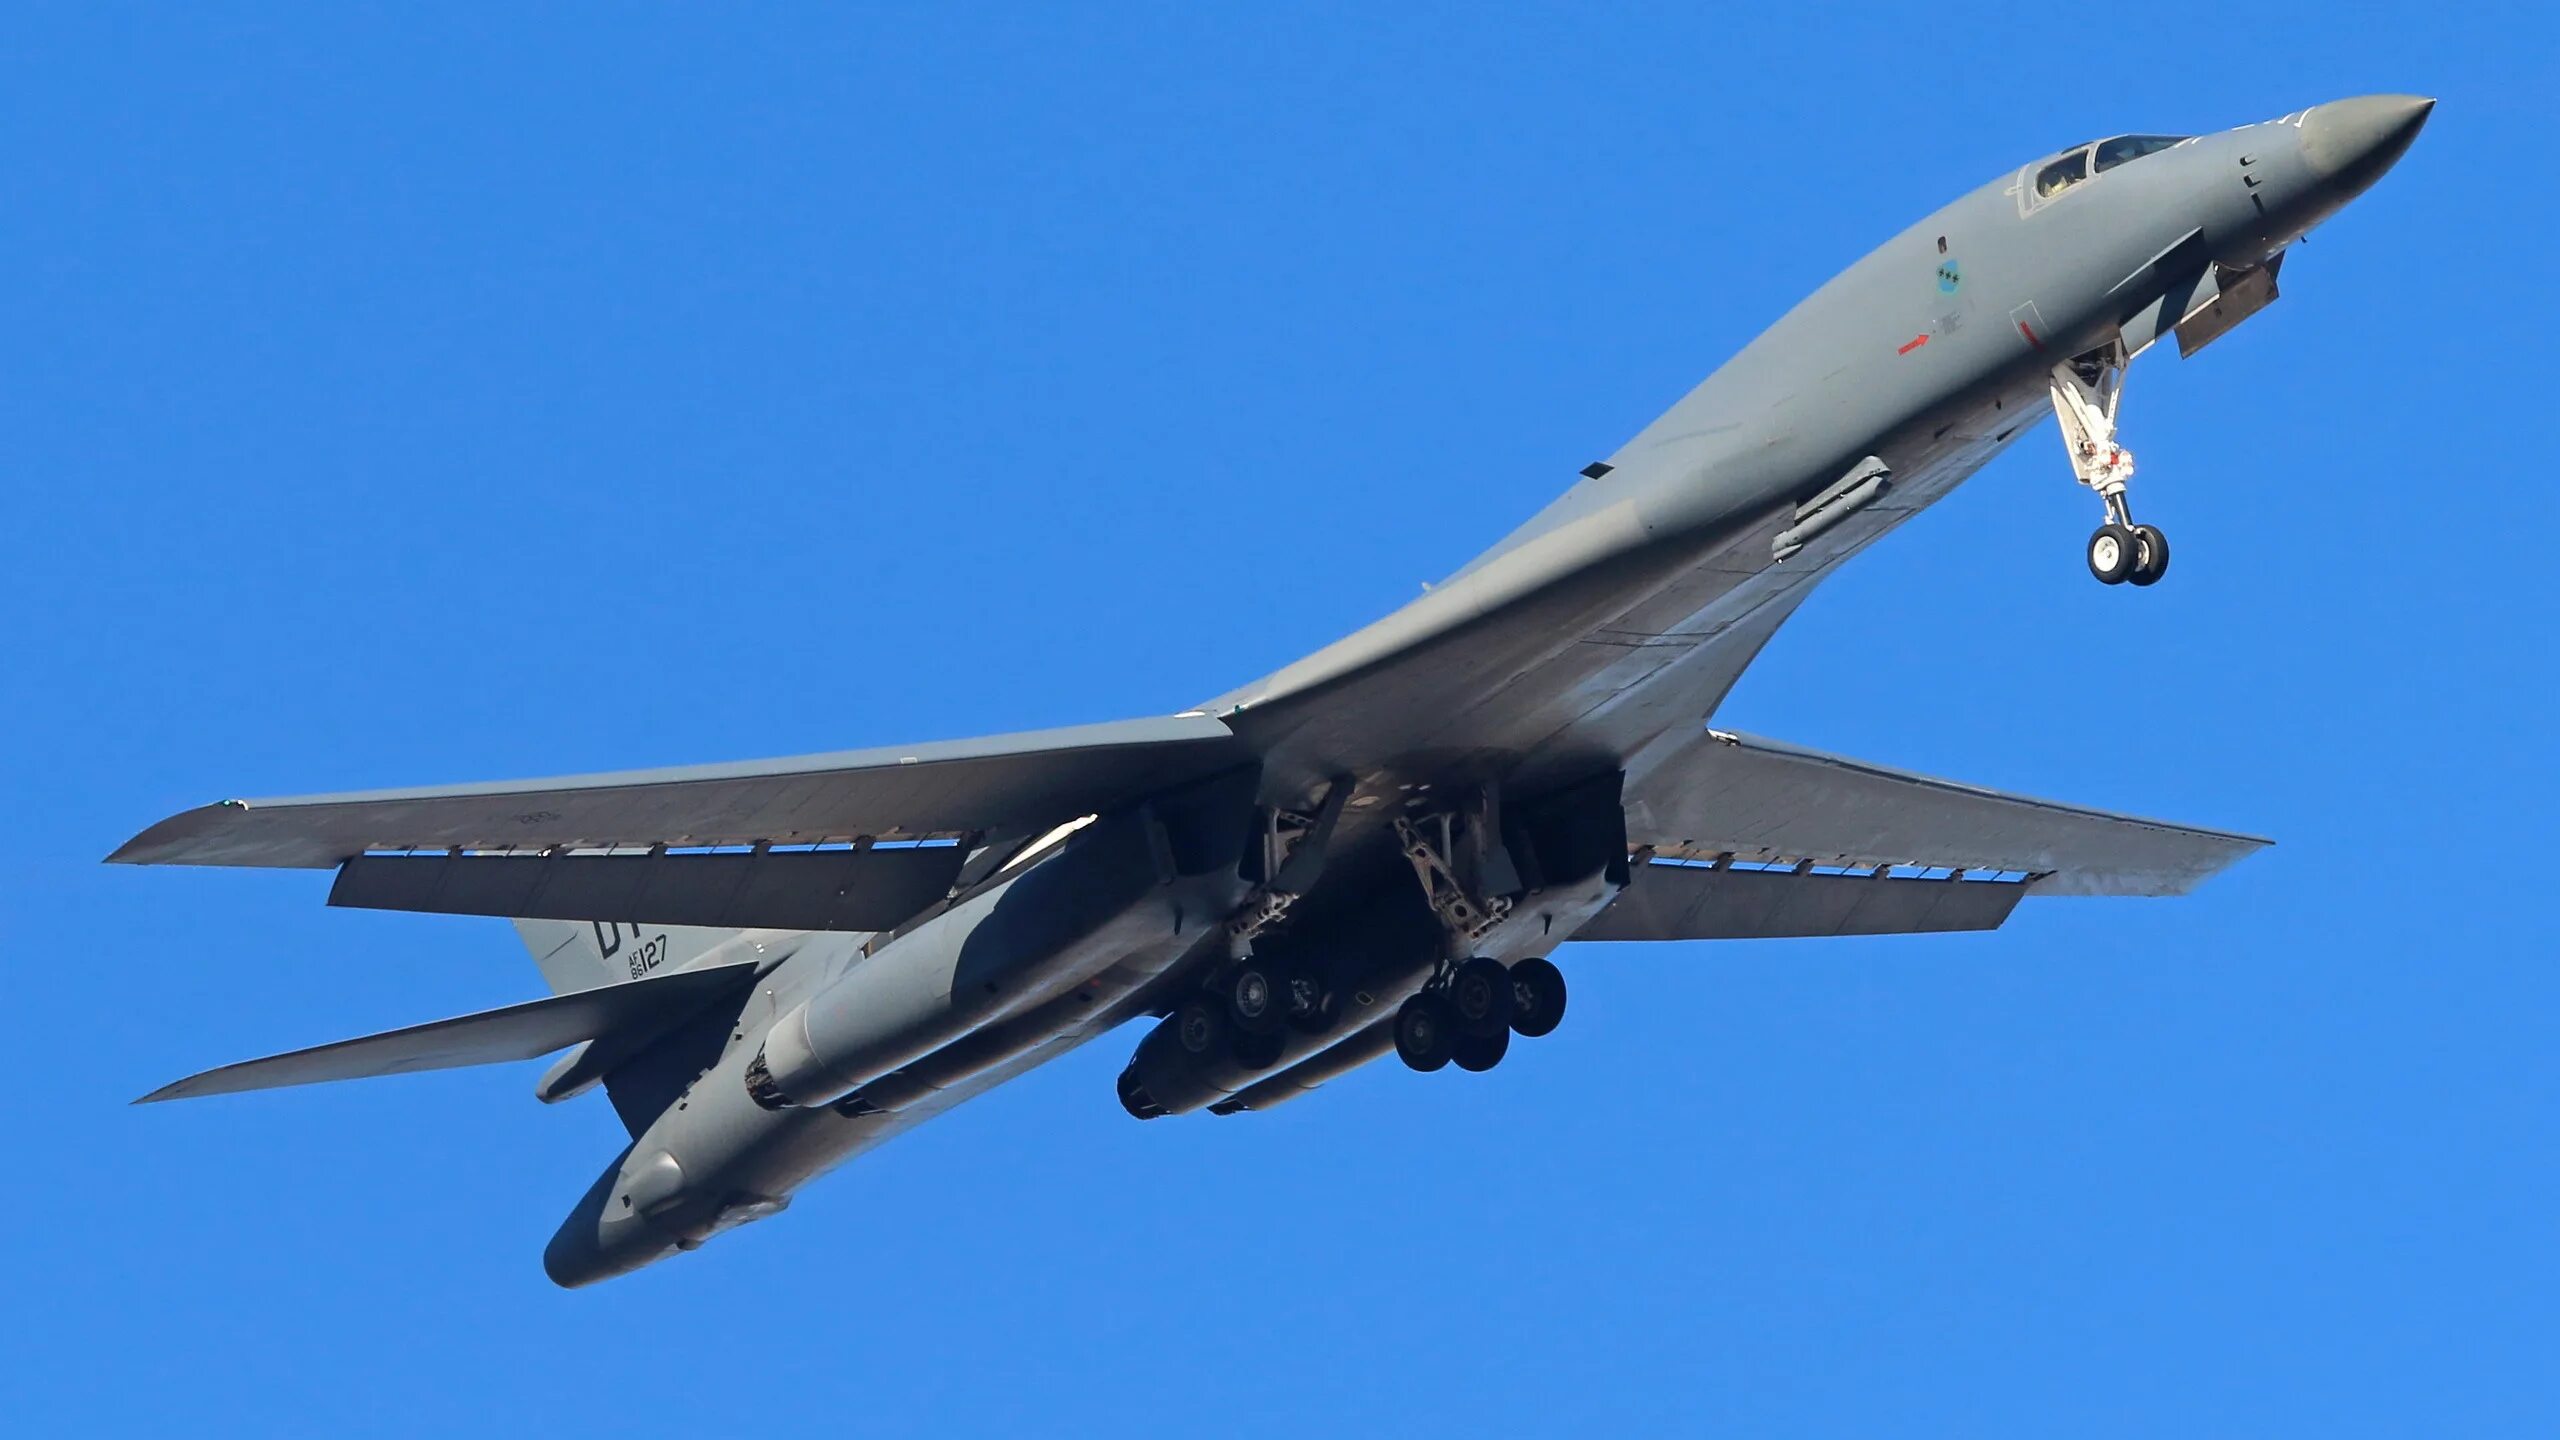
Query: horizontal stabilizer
1694, 902
1025, 782
836, 889
1764, 802
513, 1032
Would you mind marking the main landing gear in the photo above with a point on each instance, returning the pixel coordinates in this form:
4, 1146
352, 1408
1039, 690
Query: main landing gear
1470, 1011
1471, 1006
1264, 997
2087, 392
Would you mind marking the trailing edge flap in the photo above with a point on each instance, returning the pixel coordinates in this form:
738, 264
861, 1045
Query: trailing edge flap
1768, 803
1694, 902
513, 1032
1029, 781
836, 889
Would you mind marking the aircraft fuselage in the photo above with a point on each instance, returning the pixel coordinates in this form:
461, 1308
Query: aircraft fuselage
1590, 640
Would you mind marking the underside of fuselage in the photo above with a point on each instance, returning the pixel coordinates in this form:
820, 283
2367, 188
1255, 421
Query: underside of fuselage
1654, 665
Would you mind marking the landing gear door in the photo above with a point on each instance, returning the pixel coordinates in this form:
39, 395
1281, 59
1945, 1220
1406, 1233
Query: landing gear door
2244, 293
2183, 299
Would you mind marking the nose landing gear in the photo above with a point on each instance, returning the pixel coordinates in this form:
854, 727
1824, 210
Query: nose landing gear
2087, 392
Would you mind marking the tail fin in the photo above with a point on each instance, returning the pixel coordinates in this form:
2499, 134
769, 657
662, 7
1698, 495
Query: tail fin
583, 954
577, 955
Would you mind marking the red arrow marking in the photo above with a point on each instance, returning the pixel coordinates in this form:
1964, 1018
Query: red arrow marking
1916, 342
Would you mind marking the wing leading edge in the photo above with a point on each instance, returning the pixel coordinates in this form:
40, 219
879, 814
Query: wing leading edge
1026, 781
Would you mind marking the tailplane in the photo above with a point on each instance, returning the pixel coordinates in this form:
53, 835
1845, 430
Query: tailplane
616, 991
644, 1067
620, 1017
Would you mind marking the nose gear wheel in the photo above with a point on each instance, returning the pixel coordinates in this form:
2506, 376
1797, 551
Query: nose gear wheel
2154, 560
2113, 550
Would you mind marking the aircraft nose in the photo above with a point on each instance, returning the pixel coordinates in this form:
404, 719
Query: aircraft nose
2353, 141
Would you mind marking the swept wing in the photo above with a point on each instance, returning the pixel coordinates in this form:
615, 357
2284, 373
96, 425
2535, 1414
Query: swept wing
1759, 802
946, 789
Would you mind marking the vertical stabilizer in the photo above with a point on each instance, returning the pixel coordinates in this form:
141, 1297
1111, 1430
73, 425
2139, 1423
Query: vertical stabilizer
583, 954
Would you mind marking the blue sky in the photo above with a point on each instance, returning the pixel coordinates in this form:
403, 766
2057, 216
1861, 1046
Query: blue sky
403, 394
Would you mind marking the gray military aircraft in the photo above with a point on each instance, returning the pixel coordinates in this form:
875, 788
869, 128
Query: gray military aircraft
772, 966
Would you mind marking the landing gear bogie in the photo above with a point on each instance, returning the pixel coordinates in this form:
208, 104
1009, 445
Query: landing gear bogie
1200, 1026
1473, 1004
1426, 1037
1471, 1012
1264, 997
1537, 997
1306, 1002
1479, 1053
1253, 996
1478, 995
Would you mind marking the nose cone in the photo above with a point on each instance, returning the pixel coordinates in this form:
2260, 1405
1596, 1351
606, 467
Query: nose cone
2351, 142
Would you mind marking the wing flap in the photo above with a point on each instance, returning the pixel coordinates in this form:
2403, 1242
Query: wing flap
1028, 781
1766, 802
512, 1032
867, 889
1696, 902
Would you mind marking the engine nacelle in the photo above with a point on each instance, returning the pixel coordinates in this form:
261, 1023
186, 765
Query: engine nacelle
1185, 1062
1269, 1092
1372, 951
1122, 884
1368, 954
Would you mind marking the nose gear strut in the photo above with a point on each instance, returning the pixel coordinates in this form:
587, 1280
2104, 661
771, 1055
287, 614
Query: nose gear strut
2087, 391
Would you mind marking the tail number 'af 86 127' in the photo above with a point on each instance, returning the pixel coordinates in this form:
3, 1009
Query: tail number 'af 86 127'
646, 953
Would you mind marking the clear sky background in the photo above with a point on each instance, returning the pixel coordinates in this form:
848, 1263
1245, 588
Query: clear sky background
401, 394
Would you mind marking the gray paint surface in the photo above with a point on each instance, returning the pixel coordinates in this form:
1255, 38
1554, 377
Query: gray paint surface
906, 791
1593, 643
1693, 902
513, 1032
1765, 801
867, 889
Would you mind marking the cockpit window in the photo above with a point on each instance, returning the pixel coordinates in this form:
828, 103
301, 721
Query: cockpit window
2112, 153
2062, 174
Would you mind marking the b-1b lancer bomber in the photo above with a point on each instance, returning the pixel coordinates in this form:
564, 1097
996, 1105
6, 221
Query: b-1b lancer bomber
772, 966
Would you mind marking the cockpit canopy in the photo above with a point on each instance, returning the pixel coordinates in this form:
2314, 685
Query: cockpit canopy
2097, 158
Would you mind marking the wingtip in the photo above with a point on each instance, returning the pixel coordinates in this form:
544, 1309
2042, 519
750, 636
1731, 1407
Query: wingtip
169, 841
